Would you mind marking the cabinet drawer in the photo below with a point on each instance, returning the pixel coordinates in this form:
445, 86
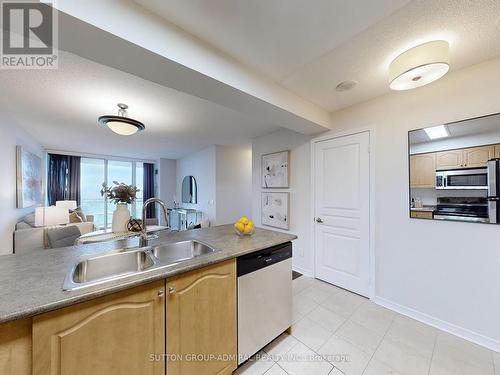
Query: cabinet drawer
421, 214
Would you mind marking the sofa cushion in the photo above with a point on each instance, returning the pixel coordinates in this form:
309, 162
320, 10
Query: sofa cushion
65, 236
30, 219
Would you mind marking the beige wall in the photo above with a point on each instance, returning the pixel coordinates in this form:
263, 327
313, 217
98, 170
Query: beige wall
233, 183
300, 163
10, 136
447, 273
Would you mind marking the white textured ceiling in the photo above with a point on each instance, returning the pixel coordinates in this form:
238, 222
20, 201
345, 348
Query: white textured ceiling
471, 127
311, 46
60, 109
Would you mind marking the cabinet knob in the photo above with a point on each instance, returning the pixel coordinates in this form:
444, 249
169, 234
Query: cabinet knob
161, 293
171, 290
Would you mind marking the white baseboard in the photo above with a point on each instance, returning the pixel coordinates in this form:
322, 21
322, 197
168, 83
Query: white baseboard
303, 271
464, 333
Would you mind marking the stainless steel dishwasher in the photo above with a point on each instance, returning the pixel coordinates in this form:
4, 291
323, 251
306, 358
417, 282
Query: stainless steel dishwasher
264, 298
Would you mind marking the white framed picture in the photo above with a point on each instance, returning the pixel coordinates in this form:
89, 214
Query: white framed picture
275, 170
274, 210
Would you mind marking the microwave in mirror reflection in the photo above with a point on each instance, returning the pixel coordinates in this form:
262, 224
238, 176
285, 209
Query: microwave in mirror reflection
456, 177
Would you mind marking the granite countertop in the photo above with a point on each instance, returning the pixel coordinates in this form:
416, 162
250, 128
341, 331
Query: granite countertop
31, 284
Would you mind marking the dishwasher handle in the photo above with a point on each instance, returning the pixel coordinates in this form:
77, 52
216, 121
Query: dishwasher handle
263, 258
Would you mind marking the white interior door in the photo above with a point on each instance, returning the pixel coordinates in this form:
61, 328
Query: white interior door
342, 211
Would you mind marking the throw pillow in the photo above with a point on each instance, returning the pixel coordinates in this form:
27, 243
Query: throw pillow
80, 213
75, 218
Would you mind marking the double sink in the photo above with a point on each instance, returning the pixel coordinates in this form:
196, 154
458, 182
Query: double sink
123, 263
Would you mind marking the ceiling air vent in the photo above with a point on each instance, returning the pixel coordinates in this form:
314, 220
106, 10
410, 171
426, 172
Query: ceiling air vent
345, 86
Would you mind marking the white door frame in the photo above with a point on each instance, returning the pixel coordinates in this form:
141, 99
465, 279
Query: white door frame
339, 134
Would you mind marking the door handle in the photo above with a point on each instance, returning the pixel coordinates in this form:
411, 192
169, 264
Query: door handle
319, 220
171, 290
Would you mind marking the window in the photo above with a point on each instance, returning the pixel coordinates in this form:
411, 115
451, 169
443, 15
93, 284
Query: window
91, 179
139, 182
119, 171
95, 172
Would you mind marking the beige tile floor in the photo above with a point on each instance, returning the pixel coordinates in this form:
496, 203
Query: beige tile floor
337, 332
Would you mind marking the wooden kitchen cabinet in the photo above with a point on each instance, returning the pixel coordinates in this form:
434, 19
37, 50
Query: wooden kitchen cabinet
478, 156
449, 159
115, 334
423, 170
471, 157
497, 151
15, 347
201, 311
421, 214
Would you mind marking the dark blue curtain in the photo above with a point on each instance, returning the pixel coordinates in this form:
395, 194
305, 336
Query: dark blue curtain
63, 178
149, 188
57, 178
73, 193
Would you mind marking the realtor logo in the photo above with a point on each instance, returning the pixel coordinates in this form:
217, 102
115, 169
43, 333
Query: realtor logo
29, 35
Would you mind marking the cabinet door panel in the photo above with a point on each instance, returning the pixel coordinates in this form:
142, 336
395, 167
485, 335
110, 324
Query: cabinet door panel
201, 319
116, 334
449, 159
497, 151
423, 170
15, 347
478, 156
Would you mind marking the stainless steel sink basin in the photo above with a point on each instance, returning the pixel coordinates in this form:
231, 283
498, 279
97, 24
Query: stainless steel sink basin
179, 251
122, 263
110, 266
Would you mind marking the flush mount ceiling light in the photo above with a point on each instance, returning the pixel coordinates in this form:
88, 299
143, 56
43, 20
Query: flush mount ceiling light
420, 65
121, 124
436, 132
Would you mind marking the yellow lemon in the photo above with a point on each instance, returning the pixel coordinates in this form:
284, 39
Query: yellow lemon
250, 224
244, 220
248, 229
240, 227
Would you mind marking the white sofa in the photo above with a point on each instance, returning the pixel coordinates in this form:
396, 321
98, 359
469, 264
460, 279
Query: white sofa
28, 239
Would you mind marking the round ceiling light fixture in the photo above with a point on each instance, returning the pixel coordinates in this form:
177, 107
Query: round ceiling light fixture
420, 65
121, 124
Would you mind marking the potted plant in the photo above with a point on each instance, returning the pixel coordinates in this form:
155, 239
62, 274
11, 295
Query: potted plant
122, 195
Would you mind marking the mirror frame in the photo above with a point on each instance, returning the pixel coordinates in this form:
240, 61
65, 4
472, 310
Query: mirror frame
409, 162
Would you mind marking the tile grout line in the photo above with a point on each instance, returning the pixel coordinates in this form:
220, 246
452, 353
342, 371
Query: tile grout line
277, 364
332, 334
433, 350
380, 343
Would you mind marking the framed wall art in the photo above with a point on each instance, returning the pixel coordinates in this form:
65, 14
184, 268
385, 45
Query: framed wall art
275, 170
274, 210
29, 178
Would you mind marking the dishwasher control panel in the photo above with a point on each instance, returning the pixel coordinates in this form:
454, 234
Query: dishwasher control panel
263, 258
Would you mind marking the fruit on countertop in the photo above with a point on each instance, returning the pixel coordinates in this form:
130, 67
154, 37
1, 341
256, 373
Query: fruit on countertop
244, 226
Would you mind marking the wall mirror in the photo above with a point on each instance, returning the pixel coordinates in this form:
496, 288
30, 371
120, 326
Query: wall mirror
189, 190
454, 171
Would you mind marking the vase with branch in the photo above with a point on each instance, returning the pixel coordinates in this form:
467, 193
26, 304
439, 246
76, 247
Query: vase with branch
122, 195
